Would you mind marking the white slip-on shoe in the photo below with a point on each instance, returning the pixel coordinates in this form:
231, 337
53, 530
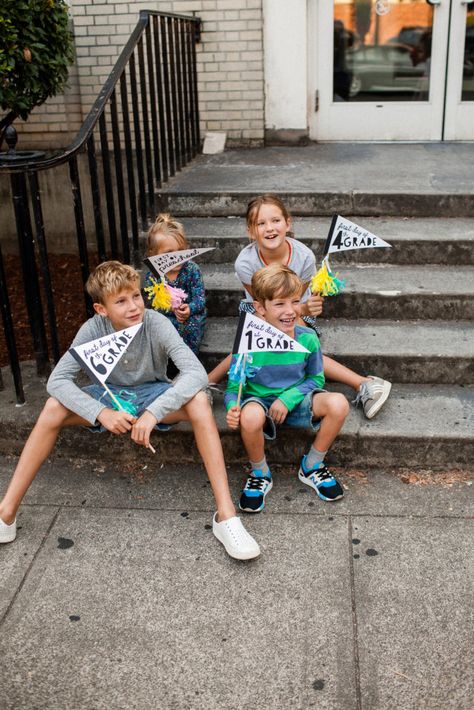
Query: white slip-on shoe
238, 543
7, 532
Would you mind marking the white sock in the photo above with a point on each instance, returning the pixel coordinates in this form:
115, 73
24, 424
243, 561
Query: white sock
314, 458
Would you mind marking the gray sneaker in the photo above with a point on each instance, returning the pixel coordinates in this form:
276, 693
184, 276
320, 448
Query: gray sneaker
373, 395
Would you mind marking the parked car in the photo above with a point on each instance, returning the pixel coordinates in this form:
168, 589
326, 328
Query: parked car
385, 68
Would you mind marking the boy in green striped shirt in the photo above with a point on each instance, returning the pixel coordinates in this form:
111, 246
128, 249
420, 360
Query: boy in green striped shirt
286, 388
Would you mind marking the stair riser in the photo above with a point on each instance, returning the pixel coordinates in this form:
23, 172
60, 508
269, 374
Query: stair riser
402, 369
349, 450
368, 306
403, 252
208, 204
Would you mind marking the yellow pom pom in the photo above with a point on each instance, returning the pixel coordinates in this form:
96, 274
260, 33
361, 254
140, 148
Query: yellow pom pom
325, 282
159, 296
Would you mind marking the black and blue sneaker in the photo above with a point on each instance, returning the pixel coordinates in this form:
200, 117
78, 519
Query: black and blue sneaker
252, 499
322, 480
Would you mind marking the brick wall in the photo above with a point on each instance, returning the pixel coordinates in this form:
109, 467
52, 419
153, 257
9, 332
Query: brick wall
229, 65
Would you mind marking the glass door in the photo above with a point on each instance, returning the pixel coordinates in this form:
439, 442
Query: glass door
383, 71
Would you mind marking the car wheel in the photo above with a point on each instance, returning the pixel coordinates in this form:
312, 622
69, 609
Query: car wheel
356, 86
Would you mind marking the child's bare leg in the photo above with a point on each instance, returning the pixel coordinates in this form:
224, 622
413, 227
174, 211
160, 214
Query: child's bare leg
198, 411
220, 370
340, 373
252, 421
332, 408
39, 445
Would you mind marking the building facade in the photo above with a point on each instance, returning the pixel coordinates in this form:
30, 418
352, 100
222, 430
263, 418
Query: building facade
277, 71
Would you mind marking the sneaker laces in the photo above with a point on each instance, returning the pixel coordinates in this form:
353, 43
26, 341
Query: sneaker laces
323, 473
362, 395
255, 484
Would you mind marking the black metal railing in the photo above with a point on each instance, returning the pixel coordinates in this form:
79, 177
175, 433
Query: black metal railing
143, 127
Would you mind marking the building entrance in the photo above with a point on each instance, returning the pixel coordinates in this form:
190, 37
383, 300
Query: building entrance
392, 70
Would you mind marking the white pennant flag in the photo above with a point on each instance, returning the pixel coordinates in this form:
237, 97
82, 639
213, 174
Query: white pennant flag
344, 235
98, 357
256, 335
161, 263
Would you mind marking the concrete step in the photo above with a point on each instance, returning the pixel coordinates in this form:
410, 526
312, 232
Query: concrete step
222, 203
420, 426
319, 179
376, 291
414, 241
413, 352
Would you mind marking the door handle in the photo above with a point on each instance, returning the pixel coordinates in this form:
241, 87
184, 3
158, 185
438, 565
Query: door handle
433, 2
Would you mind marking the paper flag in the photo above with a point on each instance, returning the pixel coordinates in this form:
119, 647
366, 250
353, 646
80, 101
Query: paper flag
161, 263
256, 335
344, 235
99, 357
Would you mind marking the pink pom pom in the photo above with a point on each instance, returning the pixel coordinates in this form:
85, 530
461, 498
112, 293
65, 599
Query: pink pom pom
177, 295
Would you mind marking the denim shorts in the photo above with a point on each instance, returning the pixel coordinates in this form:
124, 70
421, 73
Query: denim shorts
140, 396
300, 417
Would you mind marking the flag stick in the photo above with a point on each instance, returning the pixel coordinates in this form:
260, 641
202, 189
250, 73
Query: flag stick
242, 377
121, 409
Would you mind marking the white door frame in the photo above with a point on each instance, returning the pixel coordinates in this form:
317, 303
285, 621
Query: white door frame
378, 120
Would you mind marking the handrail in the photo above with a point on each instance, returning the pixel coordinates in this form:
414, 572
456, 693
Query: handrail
99, 104
141, 129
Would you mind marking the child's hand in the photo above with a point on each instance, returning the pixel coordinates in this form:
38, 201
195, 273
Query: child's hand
233, 417
182, 313
142, 428
116, 422
314, 304
278, 411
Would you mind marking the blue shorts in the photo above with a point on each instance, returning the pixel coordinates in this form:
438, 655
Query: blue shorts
300, 417
140, 396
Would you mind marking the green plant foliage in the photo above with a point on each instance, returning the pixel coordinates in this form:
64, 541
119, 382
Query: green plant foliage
36, 49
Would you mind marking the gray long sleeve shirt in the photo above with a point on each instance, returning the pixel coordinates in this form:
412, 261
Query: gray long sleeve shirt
145, 360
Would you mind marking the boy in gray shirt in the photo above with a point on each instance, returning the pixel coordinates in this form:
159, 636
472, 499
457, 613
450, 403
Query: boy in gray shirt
140, 374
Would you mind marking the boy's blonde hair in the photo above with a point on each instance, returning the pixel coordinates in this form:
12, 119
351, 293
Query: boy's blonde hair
109, 278
275, 281
253, 208
165, 225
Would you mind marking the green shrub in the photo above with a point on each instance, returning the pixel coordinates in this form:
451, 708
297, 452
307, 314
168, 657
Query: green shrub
36, 49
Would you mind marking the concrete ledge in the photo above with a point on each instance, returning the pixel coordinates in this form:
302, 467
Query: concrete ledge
420, 426
421, 352
414, 240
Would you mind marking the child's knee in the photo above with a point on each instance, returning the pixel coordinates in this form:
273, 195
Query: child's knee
53, 414
199, 405
252, 417
336, 406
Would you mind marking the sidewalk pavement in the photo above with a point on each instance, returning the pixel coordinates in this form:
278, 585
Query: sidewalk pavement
117, 595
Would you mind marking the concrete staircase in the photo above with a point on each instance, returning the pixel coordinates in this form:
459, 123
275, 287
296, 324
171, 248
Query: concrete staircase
406, 315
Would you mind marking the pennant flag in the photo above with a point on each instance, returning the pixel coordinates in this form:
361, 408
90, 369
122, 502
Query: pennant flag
344, 235
161, 263
99, 357
256, 335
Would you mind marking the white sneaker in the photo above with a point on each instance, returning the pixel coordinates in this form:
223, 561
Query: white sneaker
235, 538
7, 532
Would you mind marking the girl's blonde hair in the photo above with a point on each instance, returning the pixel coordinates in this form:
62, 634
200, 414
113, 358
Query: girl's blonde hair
165, 225
253, 208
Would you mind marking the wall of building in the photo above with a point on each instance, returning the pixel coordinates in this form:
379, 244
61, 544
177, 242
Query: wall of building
229, 64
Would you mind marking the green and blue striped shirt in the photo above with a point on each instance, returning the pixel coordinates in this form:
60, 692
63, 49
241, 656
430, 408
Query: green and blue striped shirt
287, 376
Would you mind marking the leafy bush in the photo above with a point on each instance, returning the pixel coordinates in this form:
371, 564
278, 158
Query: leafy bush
36, 49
